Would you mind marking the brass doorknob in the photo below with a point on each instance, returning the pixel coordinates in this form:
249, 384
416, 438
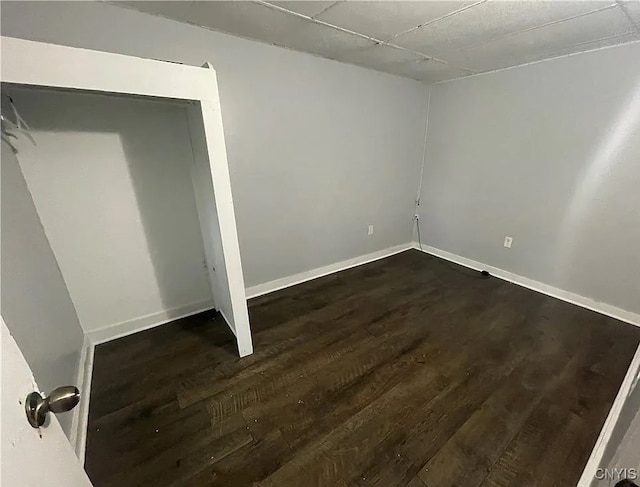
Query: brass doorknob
60, 400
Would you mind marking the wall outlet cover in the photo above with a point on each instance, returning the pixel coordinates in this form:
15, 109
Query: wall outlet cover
507, 242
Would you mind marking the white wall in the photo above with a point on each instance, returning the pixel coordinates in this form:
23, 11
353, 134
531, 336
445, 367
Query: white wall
35, 302
318, 150
548, 154
111, 180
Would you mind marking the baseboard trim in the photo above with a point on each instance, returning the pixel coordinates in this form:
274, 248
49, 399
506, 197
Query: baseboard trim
589, 472
588, 303
119, 330
81, 413
277, 284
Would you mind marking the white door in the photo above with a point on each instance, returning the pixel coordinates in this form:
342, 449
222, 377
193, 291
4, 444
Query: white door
31, 457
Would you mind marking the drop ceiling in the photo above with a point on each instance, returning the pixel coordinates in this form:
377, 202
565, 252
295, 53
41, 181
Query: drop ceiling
429, 41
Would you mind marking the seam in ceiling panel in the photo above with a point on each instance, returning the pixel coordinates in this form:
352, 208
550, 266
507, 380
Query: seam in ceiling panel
448, 58
621, 5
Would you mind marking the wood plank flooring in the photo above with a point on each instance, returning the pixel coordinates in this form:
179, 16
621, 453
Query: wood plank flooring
408, 371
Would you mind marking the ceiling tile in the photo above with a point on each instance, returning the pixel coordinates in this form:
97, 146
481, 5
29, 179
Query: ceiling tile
256, 21
490, 20
260, 22
247, 19
380, 57
587, 46
633, 9
483, 37
538, 43
309, 8
430, 71
384, 19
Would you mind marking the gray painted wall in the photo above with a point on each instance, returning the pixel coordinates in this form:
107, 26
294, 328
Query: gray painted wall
318, 150
548, 154
35, 302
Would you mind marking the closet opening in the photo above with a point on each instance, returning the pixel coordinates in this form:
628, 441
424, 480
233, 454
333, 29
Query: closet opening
111, 179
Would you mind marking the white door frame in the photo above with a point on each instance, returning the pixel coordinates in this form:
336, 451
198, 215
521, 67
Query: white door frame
39, 64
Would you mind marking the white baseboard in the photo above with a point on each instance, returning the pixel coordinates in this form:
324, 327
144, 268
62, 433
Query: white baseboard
588, 303
277, 284
81, 412
118, 330
589, 472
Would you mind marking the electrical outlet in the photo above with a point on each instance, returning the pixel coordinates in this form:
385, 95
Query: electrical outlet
507, 242
370, 230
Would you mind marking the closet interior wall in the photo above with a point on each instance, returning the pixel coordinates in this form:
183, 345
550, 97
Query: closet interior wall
111, 181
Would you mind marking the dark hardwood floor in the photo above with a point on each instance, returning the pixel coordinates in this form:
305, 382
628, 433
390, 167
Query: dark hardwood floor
408, 371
